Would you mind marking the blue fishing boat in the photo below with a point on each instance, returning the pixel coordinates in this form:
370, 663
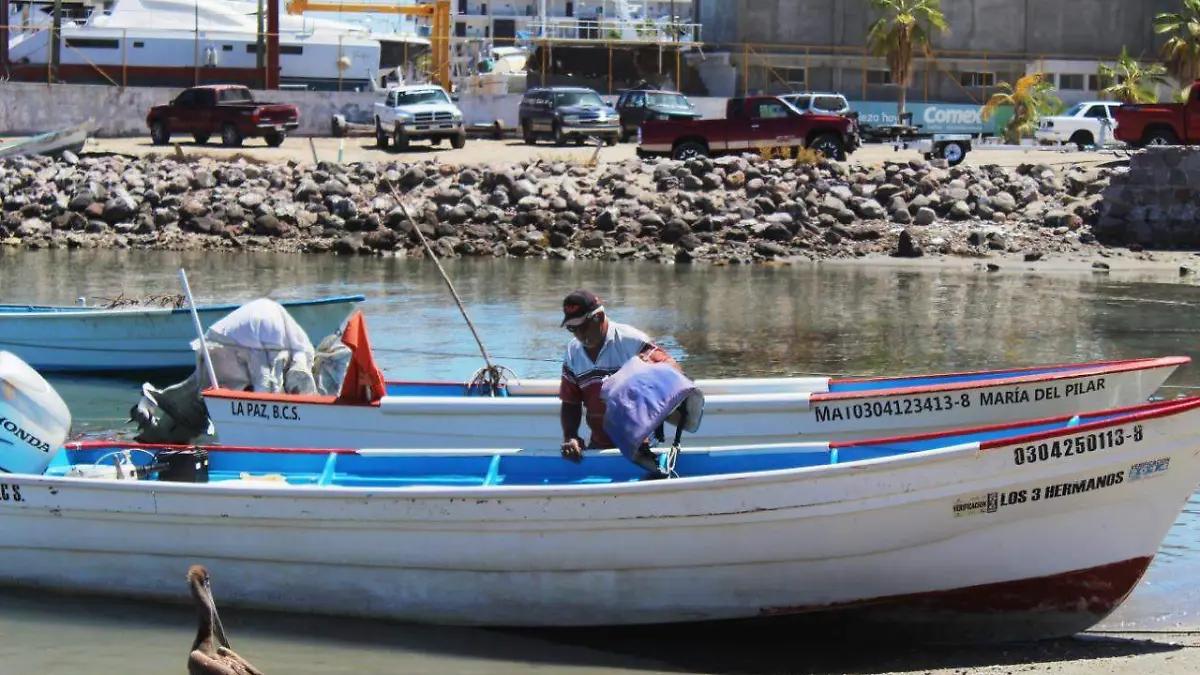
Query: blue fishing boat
54, 338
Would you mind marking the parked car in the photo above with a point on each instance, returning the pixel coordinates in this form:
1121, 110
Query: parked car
227, 109
818, 102
407, 113
750, 123
1084, 124
640, 105
566, 113
1160, 123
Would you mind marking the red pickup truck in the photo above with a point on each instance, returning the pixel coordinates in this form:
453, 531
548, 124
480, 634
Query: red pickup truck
1159, 123
750, 123
229, 110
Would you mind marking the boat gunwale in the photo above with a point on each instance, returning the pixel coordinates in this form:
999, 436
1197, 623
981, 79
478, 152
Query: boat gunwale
60, 311
1086, 369
1114, 417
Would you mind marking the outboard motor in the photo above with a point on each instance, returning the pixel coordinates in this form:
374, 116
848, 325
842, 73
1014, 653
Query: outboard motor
638, 399
34, 420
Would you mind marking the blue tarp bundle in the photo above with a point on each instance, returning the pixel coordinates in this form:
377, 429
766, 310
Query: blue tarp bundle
641, 396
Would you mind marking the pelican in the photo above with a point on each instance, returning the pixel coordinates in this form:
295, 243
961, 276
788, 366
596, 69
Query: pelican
211, 653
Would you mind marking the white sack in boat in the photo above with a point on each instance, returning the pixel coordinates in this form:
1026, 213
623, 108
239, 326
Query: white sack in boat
260, 347
257, 347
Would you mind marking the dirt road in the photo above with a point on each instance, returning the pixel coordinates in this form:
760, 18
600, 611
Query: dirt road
491, 152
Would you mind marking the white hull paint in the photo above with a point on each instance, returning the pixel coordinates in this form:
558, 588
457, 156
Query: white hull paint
136, 339
760, 414
734, 547
50, 143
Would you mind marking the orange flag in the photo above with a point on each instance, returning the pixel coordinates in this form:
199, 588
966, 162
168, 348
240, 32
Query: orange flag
364, 381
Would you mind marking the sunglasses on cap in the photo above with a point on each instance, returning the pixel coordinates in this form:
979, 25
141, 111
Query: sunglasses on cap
581, 321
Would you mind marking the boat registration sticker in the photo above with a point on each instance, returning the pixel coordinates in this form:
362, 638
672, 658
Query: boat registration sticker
1150, 469
992, 502
11, 492
1077, 446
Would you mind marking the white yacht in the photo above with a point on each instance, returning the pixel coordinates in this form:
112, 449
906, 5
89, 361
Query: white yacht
182, 42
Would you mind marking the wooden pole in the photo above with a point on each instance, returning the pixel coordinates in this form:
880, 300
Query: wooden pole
745, 70
3, 33
272, 45
610, 68
260, 42
56, 41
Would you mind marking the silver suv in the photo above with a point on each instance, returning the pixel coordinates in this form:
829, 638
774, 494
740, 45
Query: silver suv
818, 102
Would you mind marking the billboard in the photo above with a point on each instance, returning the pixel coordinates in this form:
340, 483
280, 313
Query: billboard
938, 118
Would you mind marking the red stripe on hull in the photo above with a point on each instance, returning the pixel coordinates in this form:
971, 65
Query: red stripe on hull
1053, 606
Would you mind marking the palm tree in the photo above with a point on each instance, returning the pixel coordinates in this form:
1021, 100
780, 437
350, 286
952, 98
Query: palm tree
1181, 51
904, 27
1030, 99
1132, 82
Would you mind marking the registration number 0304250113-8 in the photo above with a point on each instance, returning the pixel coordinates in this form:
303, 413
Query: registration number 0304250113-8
1076, 446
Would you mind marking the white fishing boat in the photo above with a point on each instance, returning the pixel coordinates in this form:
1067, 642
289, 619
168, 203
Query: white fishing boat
525, 413
1027, 530
50, 143
64, 338
185, 42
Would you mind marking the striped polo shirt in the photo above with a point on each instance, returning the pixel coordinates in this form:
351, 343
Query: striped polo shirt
582, 378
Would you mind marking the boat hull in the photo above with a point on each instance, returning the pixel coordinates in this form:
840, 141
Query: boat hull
138, 339
976, 535
767, 416
50, 143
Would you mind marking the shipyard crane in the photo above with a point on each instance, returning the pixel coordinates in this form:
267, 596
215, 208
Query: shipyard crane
438, 13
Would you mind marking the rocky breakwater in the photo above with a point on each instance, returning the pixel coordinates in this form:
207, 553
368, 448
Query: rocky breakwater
729, 210
1156, 202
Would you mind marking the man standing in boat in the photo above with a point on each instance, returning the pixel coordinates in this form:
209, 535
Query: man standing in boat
599, 349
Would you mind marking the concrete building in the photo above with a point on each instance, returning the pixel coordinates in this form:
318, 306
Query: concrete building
567, 19
776, 45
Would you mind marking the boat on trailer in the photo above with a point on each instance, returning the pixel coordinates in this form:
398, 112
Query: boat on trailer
63, 338
524, 413
1023, 530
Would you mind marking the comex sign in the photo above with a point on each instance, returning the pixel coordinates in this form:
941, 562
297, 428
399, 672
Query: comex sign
933, 117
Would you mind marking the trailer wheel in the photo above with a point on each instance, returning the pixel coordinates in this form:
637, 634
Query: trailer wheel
953, 152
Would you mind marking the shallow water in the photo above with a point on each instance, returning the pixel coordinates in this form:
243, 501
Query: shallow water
835, 319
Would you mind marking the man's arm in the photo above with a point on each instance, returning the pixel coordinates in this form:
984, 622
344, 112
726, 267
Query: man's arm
652, 353
571, 415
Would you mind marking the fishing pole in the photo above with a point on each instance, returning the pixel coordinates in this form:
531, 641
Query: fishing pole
492, 371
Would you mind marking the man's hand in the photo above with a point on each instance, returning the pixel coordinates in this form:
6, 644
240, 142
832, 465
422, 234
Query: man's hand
572, 450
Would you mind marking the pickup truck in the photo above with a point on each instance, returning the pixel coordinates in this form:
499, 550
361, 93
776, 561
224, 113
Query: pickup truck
229, 110
750, 123
1159, 123
418, 111
1084, 124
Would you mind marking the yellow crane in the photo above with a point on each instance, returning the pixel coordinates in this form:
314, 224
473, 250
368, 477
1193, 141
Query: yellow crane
437, 12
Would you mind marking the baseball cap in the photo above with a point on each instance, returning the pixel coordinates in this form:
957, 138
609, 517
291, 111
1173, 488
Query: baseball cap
579, 306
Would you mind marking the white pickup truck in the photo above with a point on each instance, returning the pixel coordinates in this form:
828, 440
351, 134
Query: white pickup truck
418, 111
1083, 124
